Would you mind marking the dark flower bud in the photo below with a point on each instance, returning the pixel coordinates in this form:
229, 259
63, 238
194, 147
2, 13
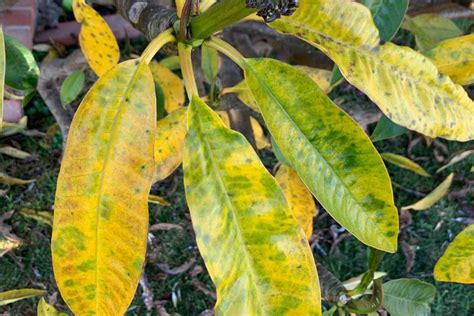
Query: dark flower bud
270, 10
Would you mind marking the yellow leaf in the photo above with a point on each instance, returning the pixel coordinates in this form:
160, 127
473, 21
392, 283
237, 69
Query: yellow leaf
322, 77
179, 6
7, 244
16, 295
2, 74
404, 163
298, 197
45, 309
405, 85
244, 94
255, 251
432, 198
261, 141
101, 209
9, 129
169, 142
170, 84
96, 38
456, 158
13, 152
6, 179
155, 199
44, 217
352, 283
457, 262
455, 58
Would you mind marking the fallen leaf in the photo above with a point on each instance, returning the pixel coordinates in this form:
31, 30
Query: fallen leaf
6, 179
16, 295
405, 163
44, 217
178, 270
164, 226
155, 199
456, 158
436, 195
13, 152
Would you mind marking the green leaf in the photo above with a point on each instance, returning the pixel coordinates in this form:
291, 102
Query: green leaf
210, 63
331, 153
72, 87
171, 62
16, 295
430, 29
457, 262
405, 85
404, 297
22, 72
255, 251
386, 129
388, 15
2, 74
405, 163
278, 154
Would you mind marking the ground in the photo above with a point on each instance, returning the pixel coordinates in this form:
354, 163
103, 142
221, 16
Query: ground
188, 290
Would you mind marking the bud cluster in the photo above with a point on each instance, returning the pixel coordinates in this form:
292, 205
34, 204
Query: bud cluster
270, 10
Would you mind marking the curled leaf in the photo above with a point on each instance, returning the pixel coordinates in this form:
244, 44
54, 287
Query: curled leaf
405, 163
437, 194
456, 158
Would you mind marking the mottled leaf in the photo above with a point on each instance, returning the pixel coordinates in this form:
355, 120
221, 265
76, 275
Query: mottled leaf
170, 84
437, 194
322, 77
403, 297
457, 262
430, 29
21, 70
169, 142
16, 295
330, 152
6, 179
244, 94
13, 152
255, 251
386, 129
455, 58
72, 87
96, 38
388, 15
298, 197
456, 158
405, 85
405, 163
45, 309
101, 207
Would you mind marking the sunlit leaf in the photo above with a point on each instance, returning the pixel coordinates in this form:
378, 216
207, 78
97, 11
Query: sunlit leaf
72, 87
430, 29
457, 158
169, 142
2, 74
388, 15
45, 309
21, 70
44, 217
298, 197
403, 297
405, 163
6, 179
386, 129
455, 58
432, 198
330, 152
405, 85
457, 262
13, 152
96, 38
170, 84
101, 207
16, 295
244, 228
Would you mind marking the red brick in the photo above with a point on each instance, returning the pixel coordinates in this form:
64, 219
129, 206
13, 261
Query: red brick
17, 16
21, 32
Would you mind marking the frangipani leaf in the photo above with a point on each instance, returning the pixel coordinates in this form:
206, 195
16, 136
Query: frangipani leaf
457, 262
322, 77
456, 158
169, 143
455, 58
403, 297
101, 207
437, 194
244, 94
329, 151
255, 251
96, 38
210, 63
298, 197
45, 309
405, 163
388, 15
16, 295
405, 85
170, 84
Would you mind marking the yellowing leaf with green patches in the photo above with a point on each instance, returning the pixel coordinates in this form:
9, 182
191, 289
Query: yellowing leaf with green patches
45, 309
322, 77
170, 84
298, 197
101, 208
405, 163
405, 85
16, 295
96, 38
457, 262
169, 142
9, 180
431, 199
455, 58
244, 94
255, 251
261, 141
329, 151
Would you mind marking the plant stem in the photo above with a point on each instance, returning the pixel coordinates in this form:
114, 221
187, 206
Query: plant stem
221, 14
187, 69
226, 49
161, 40
375, 256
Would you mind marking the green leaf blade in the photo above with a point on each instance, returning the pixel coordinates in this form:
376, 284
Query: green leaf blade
404, 297
253, 247
330, 152
22, 72
388, 15
72, 87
